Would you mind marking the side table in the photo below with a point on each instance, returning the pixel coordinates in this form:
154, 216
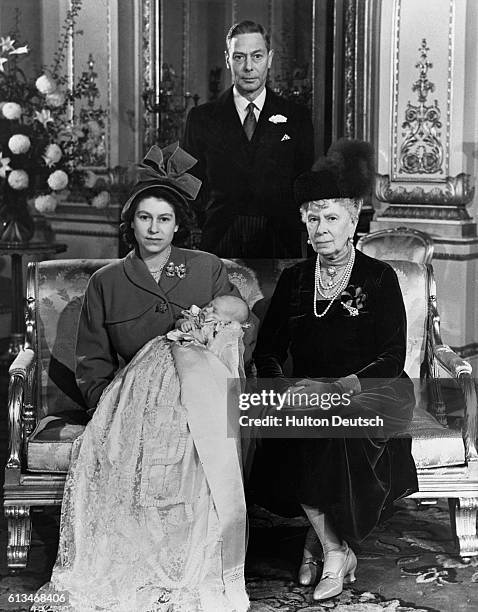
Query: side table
17, 251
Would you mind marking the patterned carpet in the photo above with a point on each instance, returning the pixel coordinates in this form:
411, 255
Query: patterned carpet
408, 563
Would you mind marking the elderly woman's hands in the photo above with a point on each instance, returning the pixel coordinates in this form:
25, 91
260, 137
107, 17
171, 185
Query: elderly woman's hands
308, 393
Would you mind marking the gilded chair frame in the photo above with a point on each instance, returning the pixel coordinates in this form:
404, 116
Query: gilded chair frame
458, 484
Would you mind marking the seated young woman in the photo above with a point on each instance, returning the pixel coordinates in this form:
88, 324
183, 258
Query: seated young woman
153, 514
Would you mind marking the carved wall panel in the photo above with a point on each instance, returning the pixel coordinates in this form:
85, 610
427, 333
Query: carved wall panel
423, 58
421, 120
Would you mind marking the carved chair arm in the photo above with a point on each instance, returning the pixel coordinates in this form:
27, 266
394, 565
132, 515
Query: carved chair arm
19, 372
453, 363
462, 372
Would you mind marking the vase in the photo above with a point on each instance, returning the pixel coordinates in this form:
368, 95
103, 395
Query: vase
16, 223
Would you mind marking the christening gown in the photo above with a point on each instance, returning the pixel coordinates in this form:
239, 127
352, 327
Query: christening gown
153, 515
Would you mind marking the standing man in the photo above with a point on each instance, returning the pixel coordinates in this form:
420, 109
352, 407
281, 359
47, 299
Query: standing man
250, 145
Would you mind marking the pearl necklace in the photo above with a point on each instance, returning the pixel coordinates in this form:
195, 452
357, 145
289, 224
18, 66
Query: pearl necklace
156, 274
342, 284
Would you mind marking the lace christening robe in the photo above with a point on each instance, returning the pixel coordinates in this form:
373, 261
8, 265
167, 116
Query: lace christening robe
153, 515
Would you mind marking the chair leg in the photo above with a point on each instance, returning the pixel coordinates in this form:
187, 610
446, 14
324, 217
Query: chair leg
19, 536
463, 513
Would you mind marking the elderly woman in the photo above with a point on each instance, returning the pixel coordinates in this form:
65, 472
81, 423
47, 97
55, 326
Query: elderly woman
340, 315
151, 519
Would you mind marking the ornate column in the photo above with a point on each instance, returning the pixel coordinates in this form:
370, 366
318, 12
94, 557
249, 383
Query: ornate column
427, 134
423, 175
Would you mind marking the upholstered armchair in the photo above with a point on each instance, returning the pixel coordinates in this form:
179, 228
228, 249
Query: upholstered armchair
46, 412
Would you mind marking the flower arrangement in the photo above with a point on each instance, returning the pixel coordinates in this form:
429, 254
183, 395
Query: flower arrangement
46, 136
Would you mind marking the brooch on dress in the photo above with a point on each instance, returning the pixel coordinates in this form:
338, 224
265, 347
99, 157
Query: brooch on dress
172, 270
353, 300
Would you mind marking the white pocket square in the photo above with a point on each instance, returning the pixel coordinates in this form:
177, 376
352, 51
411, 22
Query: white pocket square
285, 137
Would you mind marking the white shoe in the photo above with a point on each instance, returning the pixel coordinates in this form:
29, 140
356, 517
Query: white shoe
339, 568
308, 570
311, 559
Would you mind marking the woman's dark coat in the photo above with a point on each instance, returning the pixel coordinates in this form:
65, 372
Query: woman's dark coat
124, 308
355, 477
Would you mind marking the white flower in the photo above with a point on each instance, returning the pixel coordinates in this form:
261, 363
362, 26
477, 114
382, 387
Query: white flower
3, 60
58, 180
12, 110
44, 117
101, 200
19, 143
45, 203
278, 119
55, 99
7, 43
45, 84
4, 167
52, 155
18, 179
19, 50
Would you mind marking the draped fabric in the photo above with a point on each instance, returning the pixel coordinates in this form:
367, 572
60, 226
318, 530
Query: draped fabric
150, 520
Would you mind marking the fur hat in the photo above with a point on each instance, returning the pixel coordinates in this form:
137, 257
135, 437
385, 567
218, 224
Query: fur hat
347, 171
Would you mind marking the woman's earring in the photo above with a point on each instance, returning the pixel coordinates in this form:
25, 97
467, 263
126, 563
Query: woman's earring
308, 241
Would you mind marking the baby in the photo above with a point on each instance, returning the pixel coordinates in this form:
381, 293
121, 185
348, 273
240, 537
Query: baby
202, 324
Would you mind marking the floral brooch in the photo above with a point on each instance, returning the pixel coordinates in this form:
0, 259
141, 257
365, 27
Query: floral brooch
278, 119
173, 270
353, 299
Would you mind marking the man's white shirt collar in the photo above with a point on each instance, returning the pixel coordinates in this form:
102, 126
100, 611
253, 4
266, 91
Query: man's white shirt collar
242, 103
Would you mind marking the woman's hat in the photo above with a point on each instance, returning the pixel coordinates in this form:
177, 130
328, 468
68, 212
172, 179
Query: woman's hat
347, 171
165, 168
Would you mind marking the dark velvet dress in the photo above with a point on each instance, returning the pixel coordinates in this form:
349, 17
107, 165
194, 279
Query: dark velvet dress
353, 479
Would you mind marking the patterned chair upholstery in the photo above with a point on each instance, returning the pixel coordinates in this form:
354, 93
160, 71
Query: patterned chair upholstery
398, 243
46, 411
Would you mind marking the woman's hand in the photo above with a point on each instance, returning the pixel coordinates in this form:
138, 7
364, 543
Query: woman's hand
306, 385
313, 390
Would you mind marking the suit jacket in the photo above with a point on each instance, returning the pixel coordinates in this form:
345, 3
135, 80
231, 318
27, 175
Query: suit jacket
124, 308
242, 177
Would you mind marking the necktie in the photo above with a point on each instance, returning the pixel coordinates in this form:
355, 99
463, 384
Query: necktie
250, 121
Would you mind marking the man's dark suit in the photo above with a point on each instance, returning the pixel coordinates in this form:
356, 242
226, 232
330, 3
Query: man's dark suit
250, 178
